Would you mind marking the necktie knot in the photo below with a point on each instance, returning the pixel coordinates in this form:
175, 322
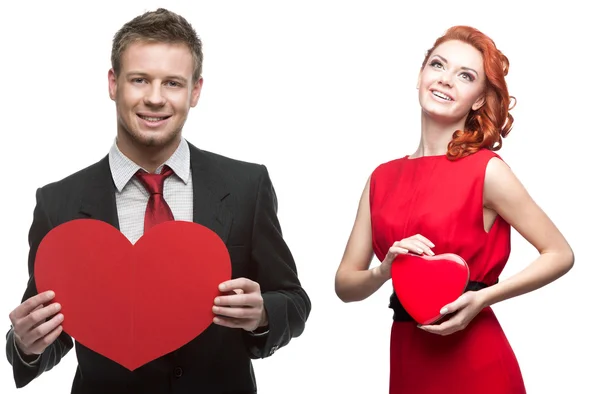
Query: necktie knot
154, 182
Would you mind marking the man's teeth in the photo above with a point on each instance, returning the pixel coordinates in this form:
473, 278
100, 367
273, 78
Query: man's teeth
442, 95
152, 119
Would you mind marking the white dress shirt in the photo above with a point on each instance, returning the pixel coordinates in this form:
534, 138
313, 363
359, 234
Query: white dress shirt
132, 196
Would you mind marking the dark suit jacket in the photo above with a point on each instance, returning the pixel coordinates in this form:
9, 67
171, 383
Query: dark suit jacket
237, 201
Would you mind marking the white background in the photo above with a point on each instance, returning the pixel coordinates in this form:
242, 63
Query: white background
322, 92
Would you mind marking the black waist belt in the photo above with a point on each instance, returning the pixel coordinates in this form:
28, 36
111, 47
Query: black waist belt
400, 314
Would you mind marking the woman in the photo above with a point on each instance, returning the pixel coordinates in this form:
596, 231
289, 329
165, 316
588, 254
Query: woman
454, 194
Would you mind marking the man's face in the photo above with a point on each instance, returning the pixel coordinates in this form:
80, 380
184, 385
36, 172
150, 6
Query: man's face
153, 92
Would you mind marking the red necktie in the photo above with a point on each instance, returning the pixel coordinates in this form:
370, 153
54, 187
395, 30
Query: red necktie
157, 210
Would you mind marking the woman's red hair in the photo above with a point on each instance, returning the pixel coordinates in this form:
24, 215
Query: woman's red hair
485, 127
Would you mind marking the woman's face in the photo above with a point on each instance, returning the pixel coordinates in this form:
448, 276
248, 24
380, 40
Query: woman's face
452, 83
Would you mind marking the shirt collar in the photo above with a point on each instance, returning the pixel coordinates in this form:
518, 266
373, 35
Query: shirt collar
122, 168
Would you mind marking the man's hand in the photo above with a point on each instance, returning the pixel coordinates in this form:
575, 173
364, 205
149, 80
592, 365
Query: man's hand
241, 306
33, 331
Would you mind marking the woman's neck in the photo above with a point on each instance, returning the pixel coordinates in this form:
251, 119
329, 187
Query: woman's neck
435, 136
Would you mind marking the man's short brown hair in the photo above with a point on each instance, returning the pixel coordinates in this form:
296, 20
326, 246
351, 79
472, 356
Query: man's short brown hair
158, 26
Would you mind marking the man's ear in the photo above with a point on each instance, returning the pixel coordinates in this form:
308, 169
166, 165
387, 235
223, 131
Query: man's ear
196, 92
112, 84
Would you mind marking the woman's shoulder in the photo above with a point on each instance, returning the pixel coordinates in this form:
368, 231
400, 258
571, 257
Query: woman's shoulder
390, 165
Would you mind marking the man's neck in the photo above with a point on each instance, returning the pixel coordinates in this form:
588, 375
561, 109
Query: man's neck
147, 157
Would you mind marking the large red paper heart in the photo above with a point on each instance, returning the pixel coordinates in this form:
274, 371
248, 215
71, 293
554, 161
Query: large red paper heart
133, 303
424, 284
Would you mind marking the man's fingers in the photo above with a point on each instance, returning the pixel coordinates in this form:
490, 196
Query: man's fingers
30, 305
244, 284
238, 313
238, 300
39, 316
38, 346
35, 318
37, 309
41, 331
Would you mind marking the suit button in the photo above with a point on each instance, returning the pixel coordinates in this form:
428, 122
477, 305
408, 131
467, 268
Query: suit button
178, 372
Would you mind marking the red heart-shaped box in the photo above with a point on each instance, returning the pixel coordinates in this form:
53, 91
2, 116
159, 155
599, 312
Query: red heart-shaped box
133, 303
424, 284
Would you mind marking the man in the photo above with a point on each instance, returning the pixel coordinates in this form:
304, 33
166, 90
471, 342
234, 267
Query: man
154, 80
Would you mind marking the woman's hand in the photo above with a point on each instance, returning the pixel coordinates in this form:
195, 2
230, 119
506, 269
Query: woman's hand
416, 244
466, 307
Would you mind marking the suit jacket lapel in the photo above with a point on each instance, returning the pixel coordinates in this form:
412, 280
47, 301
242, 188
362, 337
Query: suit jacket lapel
98, 200
209, 195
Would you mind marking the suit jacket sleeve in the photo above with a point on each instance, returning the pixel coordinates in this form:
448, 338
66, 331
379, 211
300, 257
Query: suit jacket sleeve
286, 303
24, 373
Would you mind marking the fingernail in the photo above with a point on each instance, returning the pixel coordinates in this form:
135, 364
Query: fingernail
60, 316
444, 311
215, 309
221, 287
419, 250
217, 300
50, 294
57, 307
